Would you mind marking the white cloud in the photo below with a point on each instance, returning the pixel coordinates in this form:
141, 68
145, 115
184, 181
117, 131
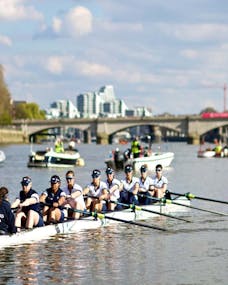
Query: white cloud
198, 32
55, 65
79, 21
189, 53
56, 25
94, 69
13, 10
4, 40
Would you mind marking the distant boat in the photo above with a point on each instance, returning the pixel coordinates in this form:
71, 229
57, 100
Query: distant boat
206, 153
50, 158
119, 162
2, 156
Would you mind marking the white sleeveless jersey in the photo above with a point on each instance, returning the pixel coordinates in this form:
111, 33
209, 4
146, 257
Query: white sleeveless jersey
129, 186
146, 184
159, 182
116, 193
96, 192
76, 188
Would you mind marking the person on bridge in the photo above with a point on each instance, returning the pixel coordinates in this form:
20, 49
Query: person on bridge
135, 147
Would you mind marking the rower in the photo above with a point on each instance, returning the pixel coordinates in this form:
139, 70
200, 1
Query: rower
145, 186
113, 185
53, 199
7, 220
74, 196
28, 214
129, 187
97, 193
159, 183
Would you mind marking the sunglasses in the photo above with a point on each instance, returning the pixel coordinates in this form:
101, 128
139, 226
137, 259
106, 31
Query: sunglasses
69, 178
158, 170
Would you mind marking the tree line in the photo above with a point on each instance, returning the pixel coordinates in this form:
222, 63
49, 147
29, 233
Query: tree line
9, 110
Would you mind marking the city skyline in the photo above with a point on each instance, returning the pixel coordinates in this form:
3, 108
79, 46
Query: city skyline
169, 57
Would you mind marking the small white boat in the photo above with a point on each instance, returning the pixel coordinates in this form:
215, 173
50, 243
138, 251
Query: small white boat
50, 158
89, 223
2, 156
206, 153
163, 158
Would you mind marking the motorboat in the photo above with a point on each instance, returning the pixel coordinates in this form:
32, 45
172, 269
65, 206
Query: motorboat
51, 158
119, 160
206, 153
2, 156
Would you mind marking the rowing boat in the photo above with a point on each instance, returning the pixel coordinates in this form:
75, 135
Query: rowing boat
89, 223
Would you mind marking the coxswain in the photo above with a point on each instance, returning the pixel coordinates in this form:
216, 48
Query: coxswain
7, 220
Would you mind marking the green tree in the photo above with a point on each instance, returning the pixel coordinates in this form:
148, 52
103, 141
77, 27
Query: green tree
28, 111
208, 110
5, 101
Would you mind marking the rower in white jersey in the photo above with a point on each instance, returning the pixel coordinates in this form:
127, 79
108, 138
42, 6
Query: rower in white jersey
96, 193
159, 183
113, 186
145, 186
129, 187
74, 196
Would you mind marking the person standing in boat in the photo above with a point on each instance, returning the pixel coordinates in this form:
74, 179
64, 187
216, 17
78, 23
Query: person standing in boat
59, 145
7, 219
159, 183
135, 147
145, 186
113, 186
97, 193
28, 213
53, 199
129, 187
74, 196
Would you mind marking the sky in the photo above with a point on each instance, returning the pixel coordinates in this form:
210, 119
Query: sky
170, 56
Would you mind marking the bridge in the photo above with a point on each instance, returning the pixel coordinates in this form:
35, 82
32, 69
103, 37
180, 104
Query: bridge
191, 127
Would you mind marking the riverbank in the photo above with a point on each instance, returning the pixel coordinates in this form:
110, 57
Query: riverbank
8, 136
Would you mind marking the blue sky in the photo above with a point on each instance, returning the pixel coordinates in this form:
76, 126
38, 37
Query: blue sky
171, 56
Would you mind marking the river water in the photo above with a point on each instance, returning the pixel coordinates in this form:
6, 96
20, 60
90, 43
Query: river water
194, 253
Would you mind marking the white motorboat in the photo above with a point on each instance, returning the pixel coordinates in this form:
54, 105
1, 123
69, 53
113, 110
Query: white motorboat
163, 158
206, 153
89, 223
50, 158
2, 156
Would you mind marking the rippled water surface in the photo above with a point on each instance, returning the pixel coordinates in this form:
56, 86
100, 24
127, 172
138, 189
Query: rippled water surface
190, 253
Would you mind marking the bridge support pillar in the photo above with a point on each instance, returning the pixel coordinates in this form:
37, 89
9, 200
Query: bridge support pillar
102, 138
157, 134
193, 139
87, 136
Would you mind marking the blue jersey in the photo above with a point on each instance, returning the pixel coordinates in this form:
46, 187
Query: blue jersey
6, 218
52, 197
31, 194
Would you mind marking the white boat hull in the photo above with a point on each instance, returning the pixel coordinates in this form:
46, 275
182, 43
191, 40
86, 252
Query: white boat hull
206, 153
163, 158
55, 159
88, 223
2, 156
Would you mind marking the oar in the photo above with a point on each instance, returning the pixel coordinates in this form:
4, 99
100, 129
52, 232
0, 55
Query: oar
192, 196
168, 201
103, 216
135, 207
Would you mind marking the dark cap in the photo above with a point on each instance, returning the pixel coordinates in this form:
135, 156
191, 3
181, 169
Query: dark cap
109, 170
128, 168
143, 168
55, 179
96, 173
25, 181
